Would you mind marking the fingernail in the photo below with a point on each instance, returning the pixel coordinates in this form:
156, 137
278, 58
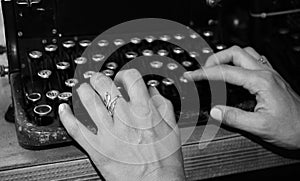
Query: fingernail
216, 113
187, 74
61, 108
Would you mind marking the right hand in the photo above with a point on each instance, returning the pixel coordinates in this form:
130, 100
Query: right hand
276, 118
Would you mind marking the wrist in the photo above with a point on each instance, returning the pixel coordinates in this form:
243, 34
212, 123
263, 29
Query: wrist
165, 173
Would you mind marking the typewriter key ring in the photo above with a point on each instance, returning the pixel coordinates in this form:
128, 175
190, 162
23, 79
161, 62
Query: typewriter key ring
109, 103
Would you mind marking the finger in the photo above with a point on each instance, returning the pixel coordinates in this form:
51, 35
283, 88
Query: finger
252, 52
134, 85
164, 106
237, 118
74, 127
94, 106
234, 75
235, 55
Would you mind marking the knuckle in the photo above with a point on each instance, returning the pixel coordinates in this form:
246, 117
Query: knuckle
236, 48
266, 78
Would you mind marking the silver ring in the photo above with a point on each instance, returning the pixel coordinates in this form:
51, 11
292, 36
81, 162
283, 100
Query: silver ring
109, 103
262, 60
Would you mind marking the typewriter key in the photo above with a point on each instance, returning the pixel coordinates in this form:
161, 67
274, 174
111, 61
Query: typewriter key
208, 34
119, 42
108, 73
44, 75
183, 79
52, 100
220, 47
103, 43
88, 74
194, 54
35, 54
194, 35
179, 37
80, 60
52, 51
65, 97
172, 66
147, 53
112, 65
51, 48
156, 64
153, 83
85, 43
187, 64
168, 81
135, 40
178, 50
68, 44
162, 52
207, 50
165, 38
33, 97
150, 38
98, 57
131, 55
168, 88
71, 82
42, 117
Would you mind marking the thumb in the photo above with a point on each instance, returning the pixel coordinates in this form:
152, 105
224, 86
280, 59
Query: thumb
235, 117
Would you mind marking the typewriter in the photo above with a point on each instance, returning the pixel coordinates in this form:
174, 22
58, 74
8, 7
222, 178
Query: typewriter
47, 39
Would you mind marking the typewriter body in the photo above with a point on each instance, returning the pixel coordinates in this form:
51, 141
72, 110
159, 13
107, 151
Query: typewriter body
46, 40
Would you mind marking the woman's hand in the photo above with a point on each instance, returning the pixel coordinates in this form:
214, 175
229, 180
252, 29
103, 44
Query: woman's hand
139, 141
276, 118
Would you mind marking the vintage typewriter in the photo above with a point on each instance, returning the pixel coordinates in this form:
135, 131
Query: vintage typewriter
46, 40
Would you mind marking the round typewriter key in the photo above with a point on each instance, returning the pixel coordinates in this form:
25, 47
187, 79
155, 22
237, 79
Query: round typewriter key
220, 47
183, 79
147, 53
194, 54
178, 50
34, 97
103, 43
150, 38
172, 66
131, 55
208, 34
65, 97
80, 60
207, 50
194, 35
162, 52
88, 74
168, 81
98, 57
62, 65
187, 63
68, 44
165, 38
52, 94
71, 82
52, 100
42, 112
156, 64
85, 43
51, 48
179, 37
153, 83
135, 40
44, 74
119, 42
111, 65
35, 54
108, 73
